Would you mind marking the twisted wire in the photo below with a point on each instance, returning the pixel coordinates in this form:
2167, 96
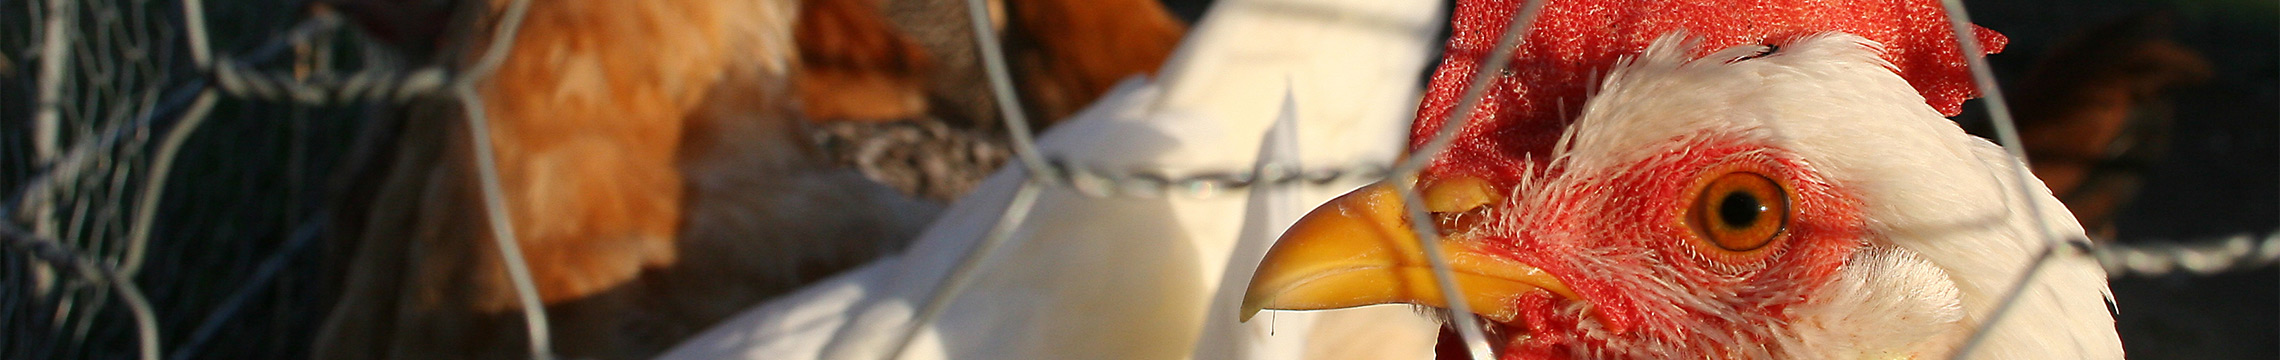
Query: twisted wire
240, 79
72, 263
225, 77
2237, 252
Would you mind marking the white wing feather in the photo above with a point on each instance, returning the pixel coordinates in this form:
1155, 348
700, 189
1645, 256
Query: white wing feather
1143, 278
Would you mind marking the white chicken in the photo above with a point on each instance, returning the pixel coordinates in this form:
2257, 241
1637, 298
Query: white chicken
1772, 183
1125, 277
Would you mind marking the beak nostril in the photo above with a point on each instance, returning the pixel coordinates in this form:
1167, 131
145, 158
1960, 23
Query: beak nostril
1456, 194
1451, 223
1457, 203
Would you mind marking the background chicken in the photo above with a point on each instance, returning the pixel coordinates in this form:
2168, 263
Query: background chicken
899, 94
1785, 189
1140, 276
657, 164
712, 197
2189, 187
233, 273
2092, 113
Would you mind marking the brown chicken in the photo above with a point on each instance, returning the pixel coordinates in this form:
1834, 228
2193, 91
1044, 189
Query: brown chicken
656, 163
1069, 52
1064, 53
656, 175
860, 83
855, 66
2092, 112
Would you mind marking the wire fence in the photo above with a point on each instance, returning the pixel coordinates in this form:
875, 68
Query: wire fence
94, 270
113, 112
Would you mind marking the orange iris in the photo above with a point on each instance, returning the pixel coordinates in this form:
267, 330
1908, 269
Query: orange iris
1740, 211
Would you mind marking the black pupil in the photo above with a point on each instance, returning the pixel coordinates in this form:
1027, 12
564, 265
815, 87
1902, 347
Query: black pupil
1739, 209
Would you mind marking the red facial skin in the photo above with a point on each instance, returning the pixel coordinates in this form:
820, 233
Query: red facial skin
1636, 263
1613, 239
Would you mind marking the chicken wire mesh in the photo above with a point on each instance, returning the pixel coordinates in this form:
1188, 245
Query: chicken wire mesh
114, 137
91, 221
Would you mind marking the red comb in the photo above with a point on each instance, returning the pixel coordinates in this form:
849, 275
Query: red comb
1573, 43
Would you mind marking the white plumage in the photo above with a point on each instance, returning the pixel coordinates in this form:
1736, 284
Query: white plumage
1949, 227
1951, 231
1138, 278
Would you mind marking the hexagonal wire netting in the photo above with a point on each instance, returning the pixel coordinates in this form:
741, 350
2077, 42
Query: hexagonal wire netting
102, 109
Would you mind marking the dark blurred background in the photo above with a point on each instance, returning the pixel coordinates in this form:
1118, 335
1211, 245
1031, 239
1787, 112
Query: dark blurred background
2220, 174
246, 189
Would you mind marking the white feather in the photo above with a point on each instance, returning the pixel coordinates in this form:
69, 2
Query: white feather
1939, 200
1141, 278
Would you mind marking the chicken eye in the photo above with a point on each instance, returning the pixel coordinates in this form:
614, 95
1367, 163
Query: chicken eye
1740, 211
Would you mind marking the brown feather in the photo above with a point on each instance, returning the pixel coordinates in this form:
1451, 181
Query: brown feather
856, 67
656, 175
1071, 52
2092, 110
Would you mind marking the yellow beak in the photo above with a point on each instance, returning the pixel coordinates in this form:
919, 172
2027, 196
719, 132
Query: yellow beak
1359, 250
